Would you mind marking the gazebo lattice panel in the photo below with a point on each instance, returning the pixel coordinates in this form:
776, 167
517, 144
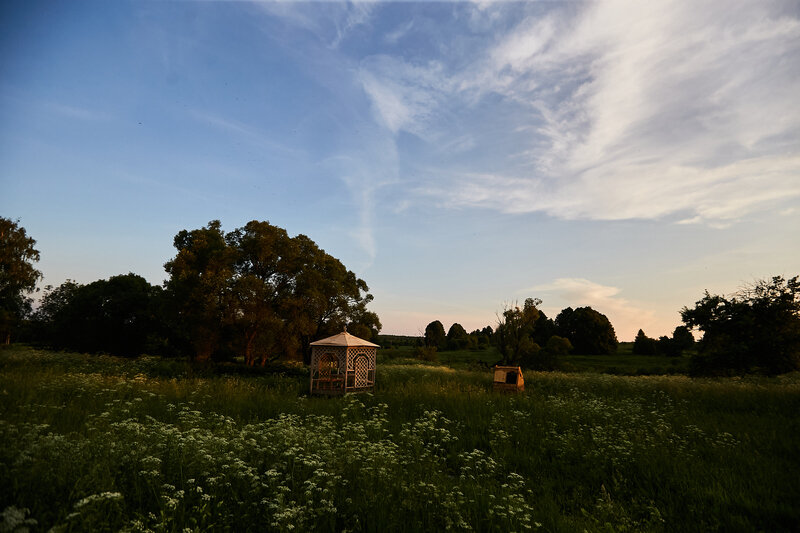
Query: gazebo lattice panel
342, 363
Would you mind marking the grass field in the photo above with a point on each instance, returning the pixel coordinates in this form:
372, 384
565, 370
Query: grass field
96, 443
621, 363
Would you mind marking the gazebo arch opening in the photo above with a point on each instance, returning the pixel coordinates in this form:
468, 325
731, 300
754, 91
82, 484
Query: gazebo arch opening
342, 363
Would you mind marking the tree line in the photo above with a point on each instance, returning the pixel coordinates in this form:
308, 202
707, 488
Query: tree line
754, 330
254, 291
526, 335
257, 292
681, 340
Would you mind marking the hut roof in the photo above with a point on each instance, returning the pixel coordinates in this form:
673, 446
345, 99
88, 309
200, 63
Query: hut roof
343, 339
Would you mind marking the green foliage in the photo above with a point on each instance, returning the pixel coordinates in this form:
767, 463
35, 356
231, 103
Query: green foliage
558, 346
543, 329
98, 444
425, 353
259, 292
667, 346
18, 277
513, 332
549, 356
589, 331
754, 330
644, 345
200, 275
682, 338
435, 335
481, 339
119, 315
457, 337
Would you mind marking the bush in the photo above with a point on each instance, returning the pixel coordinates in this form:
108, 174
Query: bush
426, 353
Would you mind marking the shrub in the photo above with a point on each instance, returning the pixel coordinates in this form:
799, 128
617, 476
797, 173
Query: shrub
426, 353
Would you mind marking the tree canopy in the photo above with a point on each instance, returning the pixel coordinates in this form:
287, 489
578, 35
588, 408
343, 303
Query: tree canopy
644, 345
435, 335
457, 337
119, 315
589, 331
199, 282
262, 292
514, 329
18, 276
683, 338
757, 329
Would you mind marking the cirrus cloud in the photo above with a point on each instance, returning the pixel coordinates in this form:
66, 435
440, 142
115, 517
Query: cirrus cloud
621, 111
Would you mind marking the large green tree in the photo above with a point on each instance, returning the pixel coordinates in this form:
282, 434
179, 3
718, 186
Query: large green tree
18, 276
754, 330
457, 337
265, 267
327, 297
513, 334
199, 286
435, 335
543, 329
682, 338
262, 293
589, 331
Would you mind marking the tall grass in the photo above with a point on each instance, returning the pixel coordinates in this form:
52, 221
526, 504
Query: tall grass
99, 443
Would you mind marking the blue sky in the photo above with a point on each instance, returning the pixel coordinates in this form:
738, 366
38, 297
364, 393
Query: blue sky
456, 156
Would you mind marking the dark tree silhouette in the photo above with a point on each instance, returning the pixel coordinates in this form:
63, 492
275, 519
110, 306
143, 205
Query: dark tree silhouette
117, 316
259, 292
457, 337
755, 330
435, 335
514, 329
589, 331
644, 345
18, 277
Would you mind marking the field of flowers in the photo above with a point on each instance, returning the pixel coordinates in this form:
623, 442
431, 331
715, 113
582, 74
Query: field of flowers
96, 443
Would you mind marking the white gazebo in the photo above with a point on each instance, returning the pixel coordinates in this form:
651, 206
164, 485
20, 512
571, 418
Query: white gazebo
341, 364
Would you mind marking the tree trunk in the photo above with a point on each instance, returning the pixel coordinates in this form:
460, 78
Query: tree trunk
248, 349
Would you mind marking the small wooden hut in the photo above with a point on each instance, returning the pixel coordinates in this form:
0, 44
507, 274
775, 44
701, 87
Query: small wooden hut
341, 364
508, 379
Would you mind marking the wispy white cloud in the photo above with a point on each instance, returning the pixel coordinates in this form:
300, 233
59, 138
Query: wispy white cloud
628, 110
246, 132
395, 35
365, 172
356, 14
330, 21
76, 112
403, 96
626, 316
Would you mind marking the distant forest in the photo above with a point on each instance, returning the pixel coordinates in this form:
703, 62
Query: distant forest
257, 293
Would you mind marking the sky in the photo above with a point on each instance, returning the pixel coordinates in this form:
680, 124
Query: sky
457, 156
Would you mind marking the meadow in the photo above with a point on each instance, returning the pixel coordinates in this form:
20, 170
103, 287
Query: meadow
623, 362
97, 443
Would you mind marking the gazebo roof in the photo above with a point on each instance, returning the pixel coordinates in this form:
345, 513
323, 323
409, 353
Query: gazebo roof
343, 339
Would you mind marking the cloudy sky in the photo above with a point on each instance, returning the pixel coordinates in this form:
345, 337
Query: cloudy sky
457, 156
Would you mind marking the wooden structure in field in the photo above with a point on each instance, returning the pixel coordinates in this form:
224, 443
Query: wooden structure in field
341, 364
508, 379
